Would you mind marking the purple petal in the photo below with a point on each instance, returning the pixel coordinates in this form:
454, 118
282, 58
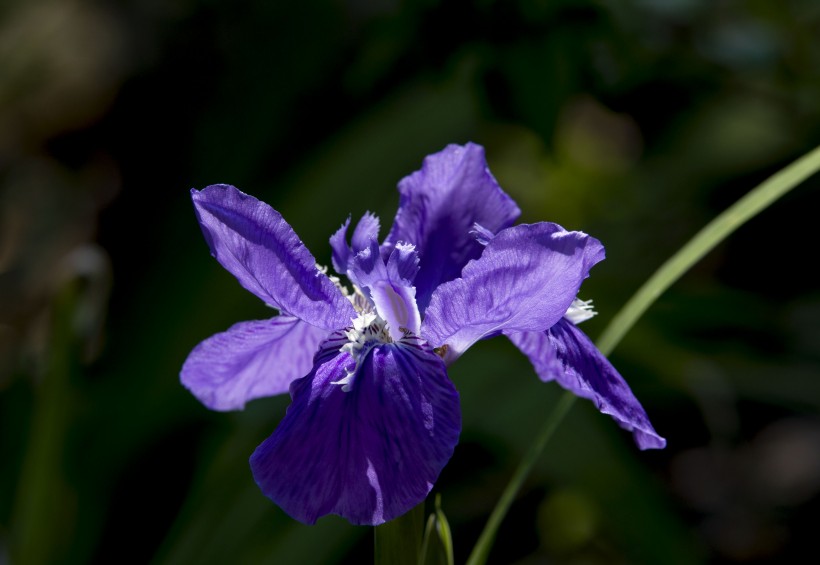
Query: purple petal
525, 280
388, 286
403, 263
366, 230
370, 454
340, 249
439, 205
256, 245
250, 360
565, 354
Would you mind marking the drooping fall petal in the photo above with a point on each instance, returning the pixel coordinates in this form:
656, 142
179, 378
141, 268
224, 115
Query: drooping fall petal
566, 355
369, 454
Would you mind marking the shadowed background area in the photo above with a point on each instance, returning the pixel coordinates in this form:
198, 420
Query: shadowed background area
636, 122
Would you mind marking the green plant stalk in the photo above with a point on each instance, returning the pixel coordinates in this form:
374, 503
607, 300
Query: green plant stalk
702, 243
38, 520
485, 541
398, 542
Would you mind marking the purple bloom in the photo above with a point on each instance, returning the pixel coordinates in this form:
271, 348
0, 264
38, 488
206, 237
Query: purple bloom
374, 417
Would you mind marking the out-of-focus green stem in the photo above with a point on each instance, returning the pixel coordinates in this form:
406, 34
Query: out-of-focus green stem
485, 540
398, 542
38, 534
704, 241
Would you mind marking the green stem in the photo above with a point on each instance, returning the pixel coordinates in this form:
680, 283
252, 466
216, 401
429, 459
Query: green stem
40, 513
482, 547
704, 241
398, 542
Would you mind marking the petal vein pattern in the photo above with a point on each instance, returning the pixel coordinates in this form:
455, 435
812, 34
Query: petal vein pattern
255, 244
369, 454
438, 207
565, 354
526, 279
251, 360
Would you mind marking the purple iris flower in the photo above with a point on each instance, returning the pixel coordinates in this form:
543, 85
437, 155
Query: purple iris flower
374, 417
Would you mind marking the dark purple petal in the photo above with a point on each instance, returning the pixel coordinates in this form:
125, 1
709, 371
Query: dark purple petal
525, 280
251, 360
256, 245
370, 454
437, 209
565, 354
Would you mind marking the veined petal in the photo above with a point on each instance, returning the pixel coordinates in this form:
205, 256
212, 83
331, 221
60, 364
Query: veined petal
565, 354
370, 454
437, 209
403, 263
525, 280
256, 245
388, 286
251, 360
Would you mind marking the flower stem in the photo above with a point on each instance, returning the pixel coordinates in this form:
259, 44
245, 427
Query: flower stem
398, 542
485, 541
704, 241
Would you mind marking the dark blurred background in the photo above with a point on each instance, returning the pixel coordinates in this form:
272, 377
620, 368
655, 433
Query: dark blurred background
635, 121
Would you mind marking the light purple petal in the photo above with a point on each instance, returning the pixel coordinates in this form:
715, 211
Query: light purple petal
370, 454
437, 209
525, 280
255, 244
251, 360
388, 286
565, 354
366, 230
403, 263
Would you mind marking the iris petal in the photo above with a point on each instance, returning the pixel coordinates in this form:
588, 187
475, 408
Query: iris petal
370, 454
340, 249
565, 354
366, 230
257, 246
388, 286
525, 280
251, 360
437, 209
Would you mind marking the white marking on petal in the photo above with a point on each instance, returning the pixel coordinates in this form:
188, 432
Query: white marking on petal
368, 331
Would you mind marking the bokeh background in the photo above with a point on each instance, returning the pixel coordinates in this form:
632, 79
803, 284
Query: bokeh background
634, 121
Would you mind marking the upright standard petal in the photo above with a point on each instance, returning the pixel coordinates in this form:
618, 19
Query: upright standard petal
251, 360
565, 354
525, 280
255, 244
370, 454
437, 209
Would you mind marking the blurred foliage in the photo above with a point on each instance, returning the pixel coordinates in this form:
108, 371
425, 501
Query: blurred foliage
634, 121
